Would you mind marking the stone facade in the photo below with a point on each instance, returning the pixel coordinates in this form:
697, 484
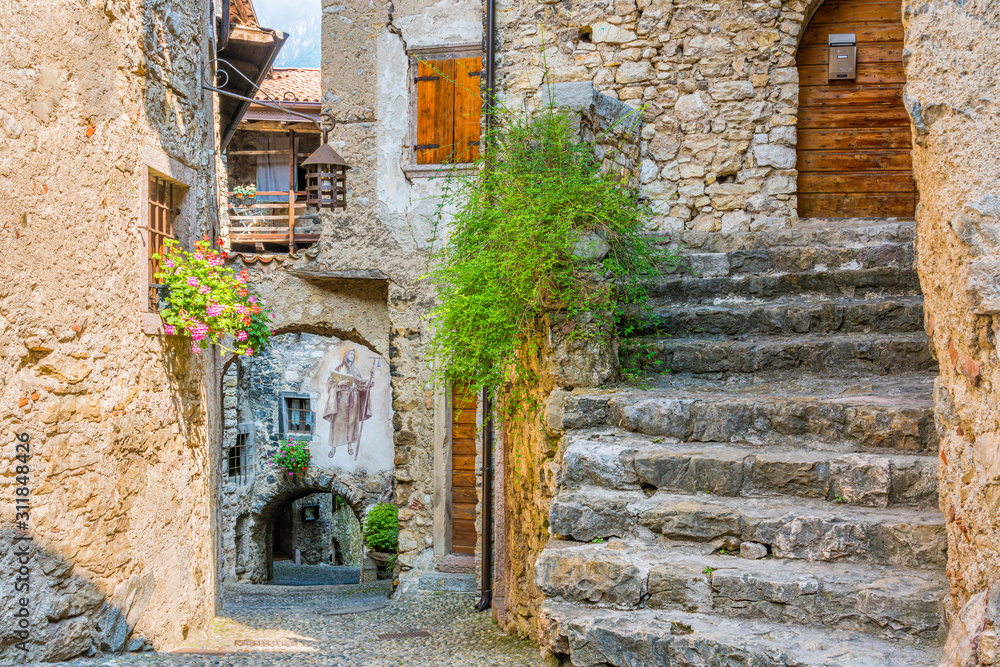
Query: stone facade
389, 225
122, 423
258, 496
715, 83
953, 100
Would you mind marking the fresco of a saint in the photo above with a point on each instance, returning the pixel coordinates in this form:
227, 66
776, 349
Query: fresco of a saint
348, 404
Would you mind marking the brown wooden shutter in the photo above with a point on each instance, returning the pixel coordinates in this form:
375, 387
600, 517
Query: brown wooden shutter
468, 107
435, 111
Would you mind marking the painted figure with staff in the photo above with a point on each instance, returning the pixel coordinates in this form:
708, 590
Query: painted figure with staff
349, 404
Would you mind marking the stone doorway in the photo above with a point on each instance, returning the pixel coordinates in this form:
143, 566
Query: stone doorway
853, 136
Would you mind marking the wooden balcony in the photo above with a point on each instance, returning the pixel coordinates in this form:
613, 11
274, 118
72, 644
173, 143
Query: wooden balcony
272, 226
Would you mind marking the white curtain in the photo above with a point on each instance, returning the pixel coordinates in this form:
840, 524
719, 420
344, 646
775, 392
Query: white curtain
272, 170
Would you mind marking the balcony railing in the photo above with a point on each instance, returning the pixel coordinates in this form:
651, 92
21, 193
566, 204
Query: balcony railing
272, 226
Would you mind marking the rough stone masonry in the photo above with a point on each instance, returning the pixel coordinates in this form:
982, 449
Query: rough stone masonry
122, 513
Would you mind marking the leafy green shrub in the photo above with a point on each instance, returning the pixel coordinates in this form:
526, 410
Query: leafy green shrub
509, 255
292, 456
381, 529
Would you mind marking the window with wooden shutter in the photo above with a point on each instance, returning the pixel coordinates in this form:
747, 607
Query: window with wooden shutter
448, 107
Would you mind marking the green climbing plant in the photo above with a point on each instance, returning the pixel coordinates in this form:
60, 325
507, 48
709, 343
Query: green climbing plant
529, 227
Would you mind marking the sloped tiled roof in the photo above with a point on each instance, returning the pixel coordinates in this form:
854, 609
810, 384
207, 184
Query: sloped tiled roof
283, 83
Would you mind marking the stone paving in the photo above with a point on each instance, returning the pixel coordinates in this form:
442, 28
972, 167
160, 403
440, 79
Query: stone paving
296, 623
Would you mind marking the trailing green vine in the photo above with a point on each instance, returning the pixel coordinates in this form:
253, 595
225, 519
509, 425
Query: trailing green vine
528, 234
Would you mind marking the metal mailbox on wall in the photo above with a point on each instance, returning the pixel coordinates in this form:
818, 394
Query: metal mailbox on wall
843, 56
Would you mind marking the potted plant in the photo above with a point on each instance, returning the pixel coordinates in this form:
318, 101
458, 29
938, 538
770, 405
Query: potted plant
381, 535
292, 456
210, 302
245, 191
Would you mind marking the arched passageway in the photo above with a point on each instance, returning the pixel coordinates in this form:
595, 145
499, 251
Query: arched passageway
854, 133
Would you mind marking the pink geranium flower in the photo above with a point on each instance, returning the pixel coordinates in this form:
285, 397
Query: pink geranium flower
170, 329
214, 309
241, 336
192, 281
196, 349
205, 289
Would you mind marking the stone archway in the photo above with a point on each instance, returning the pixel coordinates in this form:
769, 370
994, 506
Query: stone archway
853, 135
272, 495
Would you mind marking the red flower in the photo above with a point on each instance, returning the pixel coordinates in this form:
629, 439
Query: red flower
254, 309
242, 292
246, 320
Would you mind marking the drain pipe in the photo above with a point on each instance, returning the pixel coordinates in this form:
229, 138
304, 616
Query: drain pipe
486, 587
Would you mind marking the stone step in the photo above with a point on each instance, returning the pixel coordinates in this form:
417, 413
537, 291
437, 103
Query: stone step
791, 259
858, 283
855, 414
795, 528
622, 460
893, 603
815, 233
447, 582
609, 638
832, 354
788, 316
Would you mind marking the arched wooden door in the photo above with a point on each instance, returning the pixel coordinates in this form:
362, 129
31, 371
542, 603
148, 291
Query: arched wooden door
854, 136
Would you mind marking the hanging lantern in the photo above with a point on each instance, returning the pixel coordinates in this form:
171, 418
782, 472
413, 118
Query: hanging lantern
326, 172
326, 178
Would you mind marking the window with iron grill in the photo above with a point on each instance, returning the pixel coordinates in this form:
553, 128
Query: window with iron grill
299, 415
237, 459
164, 197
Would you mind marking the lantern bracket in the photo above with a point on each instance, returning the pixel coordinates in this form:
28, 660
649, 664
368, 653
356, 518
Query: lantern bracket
221, 79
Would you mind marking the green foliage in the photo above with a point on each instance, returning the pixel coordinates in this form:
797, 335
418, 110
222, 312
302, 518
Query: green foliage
708, 570
598, 540
210, 302
292, 456
539, 194
381, 529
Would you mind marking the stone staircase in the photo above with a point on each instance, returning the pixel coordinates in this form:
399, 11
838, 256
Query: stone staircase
772, 500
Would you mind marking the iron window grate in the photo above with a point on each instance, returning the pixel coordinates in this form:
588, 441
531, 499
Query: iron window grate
236, 459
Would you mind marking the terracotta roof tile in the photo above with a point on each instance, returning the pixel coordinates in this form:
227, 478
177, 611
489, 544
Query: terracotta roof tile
282, 83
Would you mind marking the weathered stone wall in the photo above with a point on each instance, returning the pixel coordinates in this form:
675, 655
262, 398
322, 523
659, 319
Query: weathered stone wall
953, 99
389, 224
532, 457
124, 454
716, 83
249, 504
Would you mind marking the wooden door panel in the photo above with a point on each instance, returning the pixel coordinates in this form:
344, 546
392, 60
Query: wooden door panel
843, 139
868, 73
876, 160
854, 138
854, 205
836, 12
858, 182
816, 33
883, 52
826, 96
856, 117
463, 471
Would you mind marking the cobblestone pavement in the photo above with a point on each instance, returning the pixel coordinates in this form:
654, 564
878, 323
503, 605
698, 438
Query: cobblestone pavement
295, 622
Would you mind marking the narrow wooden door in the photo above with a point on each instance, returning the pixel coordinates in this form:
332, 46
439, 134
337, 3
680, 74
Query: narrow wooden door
854, 136
463, 471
